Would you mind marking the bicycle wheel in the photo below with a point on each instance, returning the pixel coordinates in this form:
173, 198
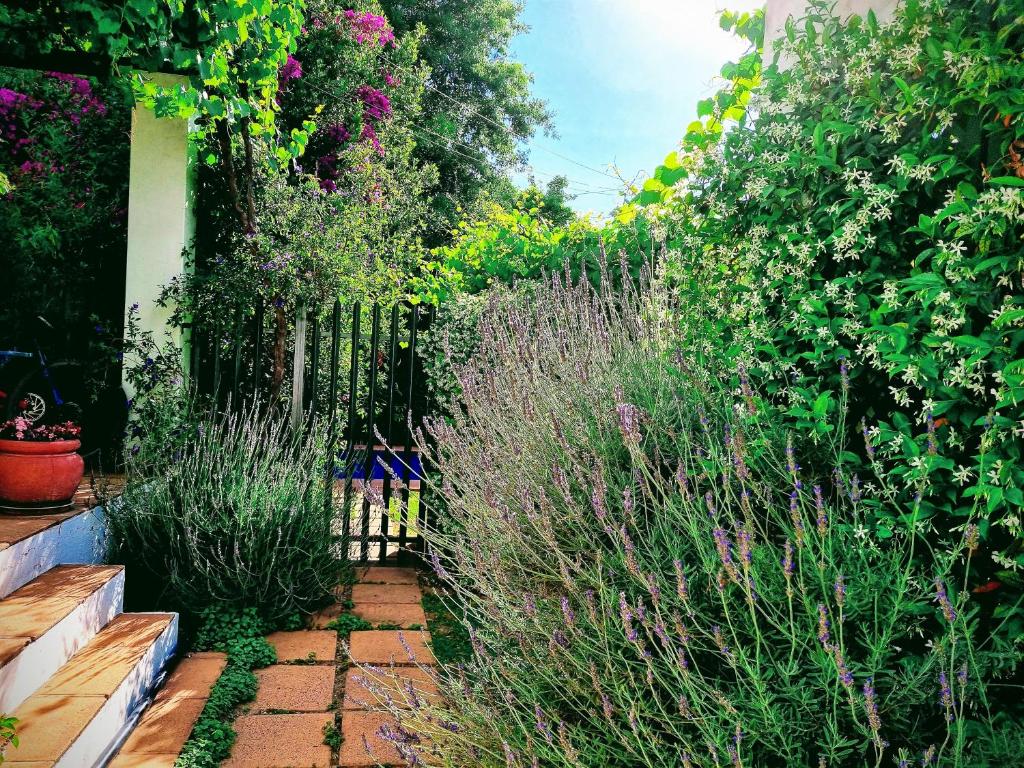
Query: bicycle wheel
33, 394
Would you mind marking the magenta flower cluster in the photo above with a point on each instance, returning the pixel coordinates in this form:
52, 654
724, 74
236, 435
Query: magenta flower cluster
370, 28
18, 111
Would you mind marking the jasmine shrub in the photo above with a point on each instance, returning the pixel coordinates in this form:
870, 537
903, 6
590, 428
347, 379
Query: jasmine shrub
652, 580
226, 510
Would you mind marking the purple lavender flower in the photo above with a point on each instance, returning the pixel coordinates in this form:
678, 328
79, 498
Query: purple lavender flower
542, 725
942, 597
839, 590
823, 626
871, 706
567, 612
653, 590
796, 517
682, 590
787, 563
946, 696
845, 677
744, 543
868, 447
724, 547
626, 614
822, 513
629, 422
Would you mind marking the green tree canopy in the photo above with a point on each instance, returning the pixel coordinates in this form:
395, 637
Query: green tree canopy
477, 109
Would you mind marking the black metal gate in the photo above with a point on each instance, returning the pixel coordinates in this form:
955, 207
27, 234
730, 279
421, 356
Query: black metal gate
355, 367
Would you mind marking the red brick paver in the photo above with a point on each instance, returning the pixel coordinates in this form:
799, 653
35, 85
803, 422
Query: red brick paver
307, 645
386, 647
386, 593
402, 615
376, 574
363, 744
294, 688
280, 741
365, 688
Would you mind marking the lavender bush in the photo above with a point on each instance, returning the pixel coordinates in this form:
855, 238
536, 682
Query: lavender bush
654, 581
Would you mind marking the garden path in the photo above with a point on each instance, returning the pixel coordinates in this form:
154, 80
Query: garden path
314, 707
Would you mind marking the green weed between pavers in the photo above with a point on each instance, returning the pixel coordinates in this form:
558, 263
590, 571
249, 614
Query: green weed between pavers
239, 634
332, 736
347, 623
449, 638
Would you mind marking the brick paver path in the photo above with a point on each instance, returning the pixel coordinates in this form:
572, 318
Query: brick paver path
317, 690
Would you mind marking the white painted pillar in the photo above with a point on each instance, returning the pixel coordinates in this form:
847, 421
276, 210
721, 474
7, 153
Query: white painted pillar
777, 11
161, 220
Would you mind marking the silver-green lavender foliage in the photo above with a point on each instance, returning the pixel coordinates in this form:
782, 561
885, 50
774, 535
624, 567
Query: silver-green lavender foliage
653, 580
228, 510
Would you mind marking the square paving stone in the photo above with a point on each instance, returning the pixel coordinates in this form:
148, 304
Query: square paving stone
325, 616
399, 614
306, 645
383, 647
280, 741
363, 745
386, 593
165, 726
365, 687
377, 574
294, 688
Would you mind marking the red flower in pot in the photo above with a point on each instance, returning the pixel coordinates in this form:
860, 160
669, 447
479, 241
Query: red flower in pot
39, 464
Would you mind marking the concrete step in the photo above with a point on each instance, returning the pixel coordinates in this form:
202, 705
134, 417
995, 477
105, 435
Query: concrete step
165, 727
82, 712
46, 621
30, 545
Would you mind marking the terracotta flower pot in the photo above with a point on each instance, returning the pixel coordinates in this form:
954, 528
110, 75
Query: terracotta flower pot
39, 475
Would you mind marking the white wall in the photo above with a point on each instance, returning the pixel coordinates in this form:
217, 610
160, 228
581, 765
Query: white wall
160, 211
777, 11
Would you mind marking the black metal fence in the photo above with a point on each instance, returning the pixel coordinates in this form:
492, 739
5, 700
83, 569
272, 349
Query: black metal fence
353, 369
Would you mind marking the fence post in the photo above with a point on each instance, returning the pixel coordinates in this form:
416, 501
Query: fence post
298, 365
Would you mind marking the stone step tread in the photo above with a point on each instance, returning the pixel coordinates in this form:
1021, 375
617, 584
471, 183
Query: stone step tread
386, 647
34, 609
165, 727
53, 718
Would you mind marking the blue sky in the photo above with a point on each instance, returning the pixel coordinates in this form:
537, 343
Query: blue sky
623, 78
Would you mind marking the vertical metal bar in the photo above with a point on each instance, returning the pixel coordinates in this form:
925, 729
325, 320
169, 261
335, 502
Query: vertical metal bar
332, 407
385, 524
215, 351
237, 374
407, 453
298, 365
257, 364
197, 357
368, 464
353, 384
314, 370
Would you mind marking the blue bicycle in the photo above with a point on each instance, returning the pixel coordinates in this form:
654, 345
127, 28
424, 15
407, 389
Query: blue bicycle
39, 386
